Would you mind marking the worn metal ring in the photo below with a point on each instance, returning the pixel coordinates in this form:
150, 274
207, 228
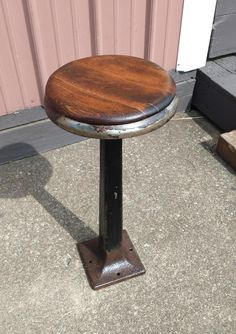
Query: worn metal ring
118, 131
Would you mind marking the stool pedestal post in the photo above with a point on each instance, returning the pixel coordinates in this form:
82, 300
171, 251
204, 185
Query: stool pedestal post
110, 200
111, 257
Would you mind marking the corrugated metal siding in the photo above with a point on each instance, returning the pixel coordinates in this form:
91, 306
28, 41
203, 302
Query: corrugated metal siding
39, 36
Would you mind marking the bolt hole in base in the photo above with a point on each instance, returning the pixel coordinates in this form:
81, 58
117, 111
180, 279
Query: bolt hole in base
105, 270
131, 249
90, 261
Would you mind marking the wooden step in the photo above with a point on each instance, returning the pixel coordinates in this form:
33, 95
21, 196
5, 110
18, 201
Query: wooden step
226, 147
215, 92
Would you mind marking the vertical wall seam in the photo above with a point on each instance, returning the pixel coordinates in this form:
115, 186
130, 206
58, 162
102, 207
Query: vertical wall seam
166, 32
115, 26
10, 35
38, 47
4, 94
169, 58
32, 49
99, 32
4, 102
55, 31
131, 27
73, 9
148, 29
93, 27
180, 24
152, 28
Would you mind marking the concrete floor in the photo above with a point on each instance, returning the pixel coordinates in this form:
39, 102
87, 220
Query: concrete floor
179, 210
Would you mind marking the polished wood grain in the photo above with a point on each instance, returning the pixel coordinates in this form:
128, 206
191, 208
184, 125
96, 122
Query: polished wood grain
108, 90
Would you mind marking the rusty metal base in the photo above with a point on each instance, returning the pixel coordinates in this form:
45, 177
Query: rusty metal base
106, 268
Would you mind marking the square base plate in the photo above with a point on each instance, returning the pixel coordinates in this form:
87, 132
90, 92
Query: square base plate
106, 268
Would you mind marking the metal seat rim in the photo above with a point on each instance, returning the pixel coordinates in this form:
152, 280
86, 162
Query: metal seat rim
118, 131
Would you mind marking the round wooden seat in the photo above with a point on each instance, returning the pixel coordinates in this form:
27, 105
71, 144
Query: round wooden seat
110, 96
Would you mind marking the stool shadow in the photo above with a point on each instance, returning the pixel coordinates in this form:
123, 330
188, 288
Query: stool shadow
30, 177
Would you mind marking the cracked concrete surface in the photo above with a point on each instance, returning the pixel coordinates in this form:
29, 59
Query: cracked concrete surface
179, 210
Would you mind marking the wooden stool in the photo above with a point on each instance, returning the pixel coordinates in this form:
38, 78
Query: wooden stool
110, 98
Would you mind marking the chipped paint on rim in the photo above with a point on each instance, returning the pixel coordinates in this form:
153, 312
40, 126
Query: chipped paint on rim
119, 131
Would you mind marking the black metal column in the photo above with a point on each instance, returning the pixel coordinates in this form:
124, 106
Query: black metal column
110, 202
111, 257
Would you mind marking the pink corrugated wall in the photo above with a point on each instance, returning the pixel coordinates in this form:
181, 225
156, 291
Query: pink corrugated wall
37, 36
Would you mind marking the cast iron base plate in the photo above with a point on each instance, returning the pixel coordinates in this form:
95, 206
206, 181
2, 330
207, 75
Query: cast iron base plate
106, 268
